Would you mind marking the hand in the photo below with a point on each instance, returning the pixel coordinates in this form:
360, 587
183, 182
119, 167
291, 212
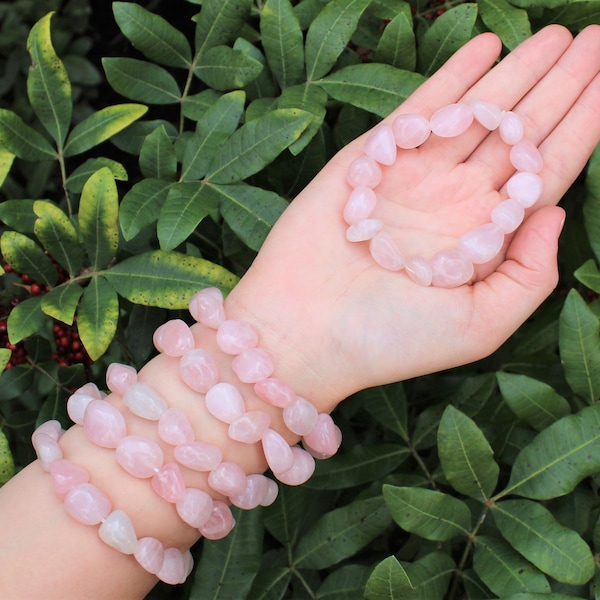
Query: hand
335, 321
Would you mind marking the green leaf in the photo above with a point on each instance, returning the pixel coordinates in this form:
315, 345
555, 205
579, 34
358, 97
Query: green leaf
509, 23
579, 345
532, 530
445, 36
373, 87
591, 206
270, 584
329, 34
263, 85
6, 161
288, 517
505, 571
397, 45
81, 174
97, 316
341, 533
25, 256
589, 275
132, 138
18, 214
157, 156
256, 144
346, 582
5, 355
7, 463
533, 401
387, 404
48, 84
61, 302
283, 42
141, 81
166, 279
25, 319
574, 15
224, 68
389, 581
194, 106
21, 140
427, 513
466, 456
98, 218
102, 125
152, 35
431, 575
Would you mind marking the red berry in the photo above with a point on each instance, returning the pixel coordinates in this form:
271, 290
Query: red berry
35, 289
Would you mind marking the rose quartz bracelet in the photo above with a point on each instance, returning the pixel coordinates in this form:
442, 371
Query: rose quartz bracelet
453, 266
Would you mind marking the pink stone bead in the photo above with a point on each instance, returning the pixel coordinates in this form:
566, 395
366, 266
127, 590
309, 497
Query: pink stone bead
252, 496
87, 504
233, 336
482, 243
524, 156
325, 439
360, 204
271, 493
487, 114
250, 427
301, 470
47, 450
52, 428
450, 268
206, 306
150, 554
381, 145
173, 570
119, 378
511, 128
410, 131
277, 451
225, 402
91, 389
364, 171
117, 532
144, 401
76, 406
198, 370
175, 428
228, 479
252, 365
139, 456
168, 483
195, 508
198, 456
525, 188
451, 120
104, 424
385, 252
275, 392
508, 215
418, 269
173, 338
363, 230
66, 475
301, 417
221, 522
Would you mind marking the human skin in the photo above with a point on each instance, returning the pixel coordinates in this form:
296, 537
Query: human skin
335, 322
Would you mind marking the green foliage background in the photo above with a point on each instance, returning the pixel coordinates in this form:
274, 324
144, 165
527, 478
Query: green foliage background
137, 171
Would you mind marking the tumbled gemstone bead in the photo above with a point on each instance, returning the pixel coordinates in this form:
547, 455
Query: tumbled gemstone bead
364, 171
525, 188
410, 131
275, 392
301, 417
117, 532
482, 243
87, 504
486, 113
225, 402
119, 378
150, 554
195, 508
221, 522
450, 268
198, 370
206, 306
508, 215
271, 493
385, 252
144, 401
360, 204
451, 120
168, 483
66, 475
253, 494
139, 456
173, 569
52, 428
301, 470
252, 365
47, 449
381, 146
173, 338
174, 427
250, 427
76, 406
277, 451
198, 456
233, 336
325, 439
511, 128
418, 269
91, 389
228, 479
524, 156
104, 424
363, 230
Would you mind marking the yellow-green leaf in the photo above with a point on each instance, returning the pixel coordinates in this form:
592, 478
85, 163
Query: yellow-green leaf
7, 463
